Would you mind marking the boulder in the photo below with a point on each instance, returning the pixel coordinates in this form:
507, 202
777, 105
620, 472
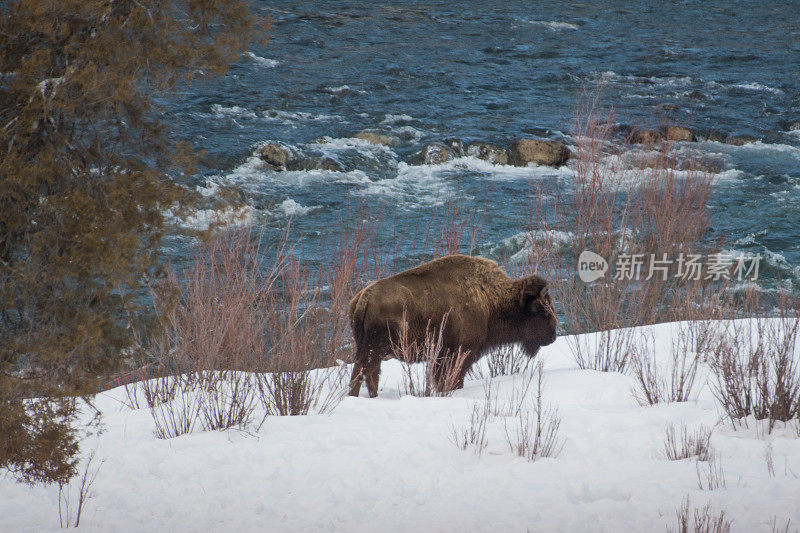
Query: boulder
488, 152
275, 156
456, 147
328, 163
739, 140
551, 153
794, 125
714, 136
619, 128
679, 134
645, 137
313, 162
432, 154
373, 137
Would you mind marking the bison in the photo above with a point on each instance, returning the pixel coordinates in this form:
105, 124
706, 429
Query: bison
475, 304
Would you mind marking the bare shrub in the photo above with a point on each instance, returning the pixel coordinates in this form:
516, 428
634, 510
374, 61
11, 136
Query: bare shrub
696, 444
652, 385
307, 324
288, 384
443, 369
756, 366
227, 399
136, 395
473, 435
710, 475
235, 332
155, 391
617, 210
180, 414
608, 350
213, 308
288, 393
535, 430
685, 361
700, 520
327, 293
67, 515
300, 392
209, 333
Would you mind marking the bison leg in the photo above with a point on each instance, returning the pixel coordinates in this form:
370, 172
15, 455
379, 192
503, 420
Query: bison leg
366, 368
462, 373
356, 378
372, 373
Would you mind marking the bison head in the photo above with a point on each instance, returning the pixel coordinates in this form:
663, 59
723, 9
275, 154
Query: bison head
538, 317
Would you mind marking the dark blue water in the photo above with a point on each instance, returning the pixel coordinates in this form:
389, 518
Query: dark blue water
495, 71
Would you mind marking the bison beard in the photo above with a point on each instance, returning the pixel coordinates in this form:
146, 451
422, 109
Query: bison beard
476, 305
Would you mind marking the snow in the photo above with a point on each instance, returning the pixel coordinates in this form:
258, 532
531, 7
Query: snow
388, 464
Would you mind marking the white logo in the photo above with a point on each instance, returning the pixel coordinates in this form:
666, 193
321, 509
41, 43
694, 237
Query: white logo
591, 266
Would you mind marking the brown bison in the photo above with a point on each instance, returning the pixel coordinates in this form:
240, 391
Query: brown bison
479, 306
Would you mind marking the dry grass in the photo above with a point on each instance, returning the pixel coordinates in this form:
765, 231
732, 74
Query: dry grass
443, 369
607, 350
700, 520
769, 458
69, 516
530, 426
473, 435
534, 433
685, 445
236, 334
780, 526
710, 474
677, 383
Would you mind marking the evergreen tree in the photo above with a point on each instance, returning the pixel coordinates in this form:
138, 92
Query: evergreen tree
86, 172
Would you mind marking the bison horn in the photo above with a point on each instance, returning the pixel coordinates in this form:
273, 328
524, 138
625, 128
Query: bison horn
544, 292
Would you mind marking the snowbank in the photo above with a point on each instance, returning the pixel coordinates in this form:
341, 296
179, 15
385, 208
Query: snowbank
388, 464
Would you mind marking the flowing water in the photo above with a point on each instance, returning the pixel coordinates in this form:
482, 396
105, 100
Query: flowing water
496, 71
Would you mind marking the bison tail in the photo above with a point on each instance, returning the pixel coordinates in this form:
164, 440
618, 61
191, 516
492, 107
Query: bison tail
357, 314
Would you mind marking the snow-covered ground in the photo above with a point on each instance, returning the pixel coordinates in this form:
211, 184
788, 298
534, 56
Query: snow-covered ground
389, 464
